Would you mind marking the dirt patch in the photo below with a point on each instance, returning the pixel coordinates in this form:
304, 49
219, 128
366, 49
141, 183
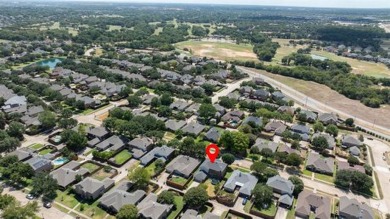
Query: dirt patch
102, 117
322, 93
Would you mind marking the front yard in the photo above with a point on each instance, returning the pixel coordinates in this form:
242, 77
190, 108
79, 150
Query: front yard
179, 207
270, 211
324, 177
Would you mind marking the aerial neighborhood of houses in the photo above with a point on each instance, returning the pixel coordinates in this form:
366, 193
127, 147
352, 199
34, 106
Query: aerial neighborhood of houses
113, 133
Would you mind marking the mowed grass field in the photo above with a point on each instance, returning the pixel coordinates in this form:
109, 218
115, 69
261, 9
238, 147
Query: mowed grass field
219, 50
358, 66
284, 50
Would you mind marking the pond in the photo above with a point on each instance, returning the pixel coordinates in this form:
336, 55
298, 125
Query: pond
51, 63
317, 57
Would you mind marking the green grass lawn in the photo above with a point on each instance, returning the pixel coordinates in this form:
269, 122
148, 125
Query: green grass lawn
307, 173
179, 207
151, 168
90, 166
291, 212
324, 177
66, 198
271, 211
36, 146
90, 111
178, 180
45, 151
122, 157
92, 210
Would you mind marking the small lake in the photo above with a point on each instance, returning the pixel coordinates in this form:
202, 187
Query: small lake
317, 57
51, 63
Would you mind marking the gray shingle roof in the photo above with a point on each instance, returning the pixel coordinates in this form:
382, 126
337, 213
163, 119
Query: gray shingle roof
308, 200
350, 141
112, 143
162, 153
261, 144
149, 208
141, 143
245, 181
183, 165
320, 164
213, 134
281, 185
330, 139
193, 128
116, 199
351, 208
98, 131
174, 125
66, 176
256, 120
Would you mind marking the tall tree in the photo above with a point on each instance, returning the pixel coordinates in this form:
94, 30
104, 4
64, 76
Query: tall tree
128, 212
140, 177
196, 197
47, 119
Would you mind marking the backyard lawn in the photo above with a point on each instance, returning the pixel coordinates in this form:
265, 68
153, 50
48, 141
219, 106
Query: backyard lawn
66, 198
122, 157
45, 151
179, 207
36, 146
102, 174
178, 180
90, 166
271, 211
151, 168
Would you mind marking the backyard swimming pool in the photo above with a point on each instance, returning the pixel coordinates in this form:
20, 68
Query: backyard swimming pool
59, 161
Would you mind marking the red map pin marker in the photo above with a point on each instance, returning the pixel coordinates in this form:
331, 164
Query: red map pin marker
212, 151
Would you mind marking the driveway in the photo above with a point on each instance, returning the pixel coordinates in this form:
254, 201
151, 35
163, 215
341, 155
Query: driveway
281, 213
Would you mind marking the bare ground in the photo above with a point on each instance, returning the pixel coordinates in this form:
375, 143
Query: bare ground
322, 93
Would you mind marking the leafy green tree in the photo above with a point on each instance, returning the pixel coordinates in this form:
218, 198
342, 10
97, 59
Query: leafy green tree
353, 160
332, 130
294, 159
354, 180
236, 142
73, 140
295, 145
368, 169
166, 99
266, 152
164, 111
9, 144
166, 197
227, 102
16, 129
298, 184
140, 177
318, 127
207, 111
228, 158
20, 212
47, 119
155, 102
349, 122
67, 123
196, 197
134, 101
44, 184
320, 143
262, 196
128, 212
3, 120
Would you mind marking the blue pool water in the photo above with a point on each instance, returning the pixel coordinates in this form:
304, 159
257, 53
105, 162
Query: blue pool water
51, 63
59, 161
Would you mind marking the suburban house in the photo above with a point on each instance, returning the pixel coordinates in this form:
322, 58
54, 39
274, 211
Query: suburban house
254, 120
14, 102
260, 95
244, 181
350, 141
22, 154
286, 149
278, 95
319, 164
213, 135
310, 115
302, 130
258, 81
233, 118
99, 133
286, 109
216, 170
149, 208
328, 118
67, 176
193, 128
284, 188
192, 214
163, 153
113, 143
39, 164
174, 125
352, 209
343, 165
91, 188
309, 203
179, 105
330, 139
355, 151
261, 144
140, 146
115, 200
275, 126
183, 166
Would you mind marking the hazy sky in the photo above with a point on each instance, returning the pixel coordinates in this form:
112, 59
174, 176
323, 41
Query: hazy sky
304, 3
